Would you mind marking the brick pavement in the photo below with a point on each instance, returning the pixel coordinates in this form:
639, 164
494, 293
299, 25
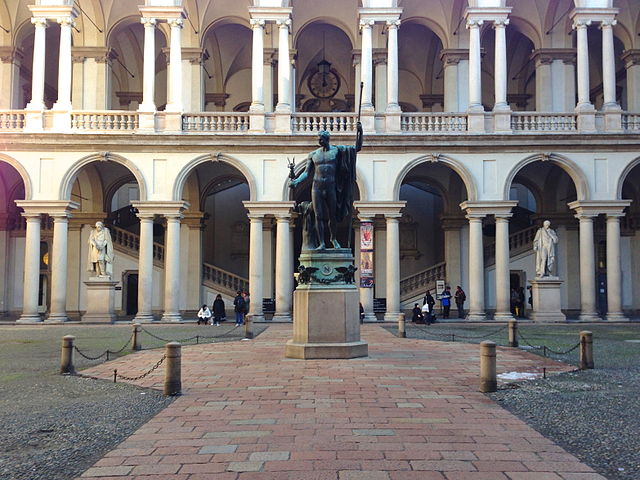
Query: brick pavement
409, 411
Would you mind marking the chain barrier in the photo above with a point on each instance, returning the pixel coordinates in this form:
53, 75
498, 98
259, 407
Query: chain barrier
491, 334
185, 340
116, 375
453, 336
105, 353
545, 348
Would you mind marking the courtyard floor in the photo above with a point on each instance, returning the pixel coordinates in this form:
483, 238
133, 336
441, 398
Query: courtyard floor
411, 410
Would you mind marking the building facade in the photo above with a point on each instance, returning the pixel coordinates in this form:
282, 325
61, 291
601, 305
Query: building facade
174, 123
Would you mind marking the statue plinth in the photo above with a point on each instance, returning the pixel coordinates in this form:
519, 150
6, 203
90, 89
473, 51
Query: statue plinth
545, 292
100, 300
326, 308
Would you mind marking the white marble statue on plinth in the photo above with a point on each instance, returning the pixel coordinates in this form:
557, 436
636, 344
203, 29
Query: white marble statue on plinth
100, 287
545, 289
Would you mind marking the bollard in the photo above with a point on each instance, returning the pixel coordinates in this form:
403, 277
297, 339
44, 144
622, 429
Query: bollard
248, 327
586, 350
513, 333
402, 333
137, 329
66, 357
172, 371
488, 381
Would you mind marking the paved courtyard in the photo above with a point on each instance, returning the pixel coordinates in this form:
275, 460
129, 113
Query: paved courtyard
411, 410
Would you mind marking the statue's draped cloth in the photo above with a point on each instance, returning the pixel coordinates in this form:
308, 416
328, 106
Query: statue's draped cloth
345, 180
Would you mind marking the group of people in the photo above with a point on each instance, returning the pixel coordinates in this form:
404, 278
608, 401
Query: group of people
217, 313
425, 313
517, 301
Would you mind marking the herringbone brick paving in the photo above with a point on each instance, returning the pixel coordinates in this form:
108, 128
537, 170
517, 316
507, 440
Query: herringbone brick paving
409, 411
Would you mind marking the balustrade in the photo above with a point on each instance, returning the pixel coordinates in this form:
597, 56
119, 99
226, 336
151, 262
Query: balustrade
543, 122
130, 243
631, 122
12, 120
421, 281
215, 122
219, 278
433, 122
316, 122
104, 122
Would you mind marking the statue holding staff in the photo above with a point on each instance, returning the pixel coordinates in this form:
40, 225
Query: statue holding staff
100, 256
544, 244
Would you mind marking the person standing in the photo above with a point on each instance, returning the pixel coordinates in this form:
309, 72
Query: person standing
218, 310
239, 307
430, 302
445, 298
460, 298
204, 314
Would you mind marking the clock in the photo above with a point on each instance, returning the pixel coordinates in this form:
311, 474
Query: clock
324, 84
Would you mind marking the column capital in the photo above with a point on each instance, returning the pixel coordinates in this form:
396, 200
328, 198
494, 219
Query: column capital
366, 23
392, 217
482, 209
593, 208
55, 207
608, 24
148, 22
615, 216
66, 21
584, 16
631, 57
371, 209
257, 23
476, 16
452, 222
393, 24
283, 23
9, 54
453, 56
475, 23
543, 56
153, 208
40, 22
503, 217
176, 22
501, 23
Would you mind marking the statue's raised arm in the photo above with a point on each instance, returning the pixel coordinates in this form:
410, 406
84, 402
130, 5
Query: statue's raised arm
359, 136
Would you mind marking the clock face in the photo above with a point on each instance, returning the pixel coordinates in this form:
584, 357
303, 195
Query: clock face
324, 85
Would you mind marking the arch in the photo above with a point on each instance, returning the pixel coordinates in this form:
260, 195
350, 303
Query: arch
66, 185
456, 166
623, 176
429, 23
329, 21
362, 187
28, 190
527, 29
182, 176
219, 22
570, 167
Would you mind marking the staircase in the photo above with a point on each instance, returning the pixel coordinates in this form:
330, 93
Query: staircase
519, 243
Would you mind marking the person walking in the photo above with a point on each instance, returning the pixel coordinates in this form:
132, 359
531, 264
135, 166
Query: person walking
204, 314
445, 298
460, 297
239, 306
218, 310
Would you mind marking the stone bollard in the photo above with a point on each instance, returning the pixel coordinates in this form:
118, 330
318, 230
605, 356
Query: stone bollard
66, 357
172, 372
586, 350
513, 333
137, 329
488, 381
402, 333
248, 326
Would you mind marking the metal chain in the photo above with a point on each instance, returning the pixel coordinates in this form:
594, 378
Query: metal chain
453, 336
124, 346
536, 347
106, 352
546, 348
566, 351
139, 377
485, 335
185, 340
87, 356
437, 335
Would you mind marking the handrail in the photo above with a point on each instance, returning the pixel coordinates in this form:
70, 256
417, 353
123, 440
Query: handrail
130, 242
519, 242
423, 280
223, 280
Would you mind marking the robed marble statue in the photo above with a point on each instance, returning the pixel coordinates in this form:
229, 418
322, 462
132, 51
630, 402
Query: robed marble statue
544, 244
100, 252
333, 170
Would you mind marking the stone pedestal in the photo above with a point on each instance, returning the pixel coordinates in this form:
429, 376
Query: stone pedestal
546, 300
100, 300
326, 313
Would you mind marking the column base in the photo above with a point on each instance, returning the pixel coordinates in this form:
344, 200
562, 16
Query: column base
393, 121
503, 316
61, 120
172, 121
283, 122
370, 318
616, 317
143, 318
29, 318
392, 316
171, 317
256, 118
34, 120
502, 119
56, 318
257, 317
476, 317
282, 317
475, 120
146, 120
586, 118
368, 120
612, 118
589, 317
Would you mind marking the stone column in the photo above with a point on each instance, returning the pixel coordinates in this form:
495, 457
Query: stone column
544, 83
366, 65
284, 67
31, 270
587, 269
10, 61
393, 267
64, 65
475, 73
149, 69
255, 267
503, 311
614, 271
175, 66
257, 72
172, 291
608, 66
476, 268
58, 310
145, 269
584, 103
392, 66
501, 65
284, 268
631, 60
39, 56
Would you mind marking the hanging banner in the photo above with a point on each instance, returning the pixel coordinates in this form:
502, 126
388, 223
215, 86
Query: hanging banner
366, 255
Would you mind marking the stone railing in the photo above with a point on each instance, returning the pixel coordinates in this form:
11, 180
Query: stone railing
223, 281
631, 122
544, 122
315, 122
420, 282
11, 120
519, 242
215, 122
105, 121
129, 243
433, 122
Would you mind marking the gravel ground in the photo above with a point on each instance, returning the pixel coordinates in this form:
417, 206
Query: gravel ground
55, 427
593, 414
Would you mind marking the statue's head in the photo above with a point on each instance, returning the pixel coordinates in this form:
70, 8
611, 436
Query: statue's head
546, 224
99, 226
324, 138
